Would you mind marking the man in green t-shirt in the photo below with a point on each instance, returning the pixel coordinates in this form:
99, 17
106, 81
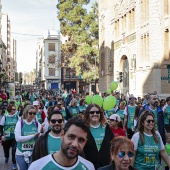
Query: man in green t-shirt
166, 110
49, 142
73, 140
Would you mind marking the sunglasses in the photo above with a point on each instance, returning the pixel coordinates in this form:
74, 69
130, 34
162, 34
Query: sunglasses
32, 113
14, 109
92, 112
149, 121
53, 121
131, 98
122, 154
112, 120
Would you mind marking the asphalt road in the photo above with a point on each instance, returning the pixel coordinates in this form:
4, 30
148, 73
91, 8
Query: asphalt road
4, 166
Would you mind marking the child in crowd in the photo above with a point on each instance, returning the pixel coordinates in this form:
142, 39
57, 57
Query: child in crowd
116, 125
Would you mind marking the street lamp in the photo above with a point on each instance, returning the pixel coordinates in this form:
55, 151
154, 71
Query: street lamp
80, 78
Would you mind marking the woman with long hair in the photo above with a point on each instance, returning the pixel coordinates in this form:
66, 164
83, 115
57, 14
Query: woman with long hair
148, 145
73, 108
122, 154
26, 132
97, 147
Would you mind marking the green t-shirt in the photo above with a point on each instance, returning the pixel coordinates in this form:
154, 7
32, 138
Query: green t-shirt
25, 131
167, 115
131, 113
121, 114
39, 118
82, 108
63, 111
147, 155
155, 117
98, 134
48, 162
53, 144
167, 148
73, 111
9, 126
32, 98
109, 112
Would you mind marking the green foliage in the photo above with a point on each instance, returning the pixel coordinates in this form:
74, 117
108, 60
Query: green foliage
82, 29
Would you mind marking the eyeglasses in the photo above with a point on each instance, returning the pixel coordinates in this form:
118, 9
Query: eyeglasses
149, 121
92, 112
122, 154
53, 121
32, 113
14, 109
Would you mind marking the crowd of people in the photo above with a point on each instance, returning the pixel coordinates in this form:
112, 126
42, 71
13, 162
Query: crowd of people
48, 129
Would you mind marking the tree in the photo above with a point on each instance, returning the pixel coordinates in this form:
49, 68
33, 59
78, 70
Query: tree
81, 51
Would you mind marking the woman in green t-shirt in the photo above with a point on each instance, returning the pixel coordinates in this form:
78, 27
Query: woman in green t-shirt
26, 132
148, 144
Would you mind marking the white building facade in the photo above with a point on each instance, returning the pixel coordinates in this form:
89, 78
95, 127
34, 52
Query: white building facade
48, 61
134, 40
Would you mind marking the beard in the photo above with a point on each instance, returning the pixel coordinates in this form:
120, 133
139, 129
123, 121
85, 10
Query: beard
155, 104
56, 131
67, 153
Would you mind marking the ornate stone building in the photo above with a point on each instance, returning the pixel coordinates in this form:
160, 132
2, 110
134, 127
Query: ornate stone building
134, 39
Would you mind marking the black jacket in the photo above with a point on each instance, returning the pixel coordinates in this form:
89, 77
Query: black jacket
40, 148
102, 157
112, 167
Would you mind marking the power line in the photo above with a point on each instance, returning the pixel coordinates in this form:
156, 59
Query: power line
26, 34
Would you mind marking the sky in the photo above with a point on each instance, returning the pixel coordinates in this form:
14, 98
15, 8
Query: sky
33, 17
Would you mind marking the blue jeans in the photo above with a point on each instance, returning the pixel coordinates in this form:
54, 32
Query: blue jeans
22, 165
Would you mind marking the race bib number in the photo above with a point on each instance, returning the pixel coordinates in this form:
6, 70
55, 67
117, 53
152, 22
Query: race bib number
7, 134
27, 146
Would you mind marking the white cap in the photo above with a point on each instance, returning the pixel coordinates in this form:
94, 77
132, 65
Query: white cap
115, 117
36, 103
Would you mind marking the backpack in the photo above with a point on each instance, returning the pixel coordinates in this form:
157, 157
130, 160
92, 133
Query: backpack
22, 123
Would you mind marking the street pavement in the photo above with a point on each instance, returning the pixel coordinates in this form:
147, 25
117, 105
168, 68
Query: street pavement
4, 166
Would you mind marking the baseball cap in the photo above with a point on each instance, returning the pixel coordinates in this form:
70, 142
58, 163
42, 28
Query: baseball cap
115, 117
36, 103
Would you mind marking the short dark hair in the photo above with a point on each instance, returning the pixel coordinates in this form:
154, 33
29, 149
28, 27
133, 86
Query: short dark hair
77, 122
167, 99
53, 113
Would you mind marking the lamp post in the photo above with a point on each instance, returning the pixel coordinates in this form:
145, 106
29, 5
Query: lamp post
95, 75
80, 78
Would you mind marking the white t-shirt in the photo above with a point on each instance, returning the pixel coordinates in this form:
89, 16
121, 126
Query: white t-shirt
48, 162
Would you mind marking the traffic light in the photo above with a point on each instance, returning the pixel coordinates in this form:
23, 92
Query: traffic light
120, 77
21, 81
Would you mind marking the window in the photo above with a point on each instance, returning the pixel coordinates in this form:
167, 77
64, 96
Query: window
67, 73
51, 59
51, 71
51, 47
